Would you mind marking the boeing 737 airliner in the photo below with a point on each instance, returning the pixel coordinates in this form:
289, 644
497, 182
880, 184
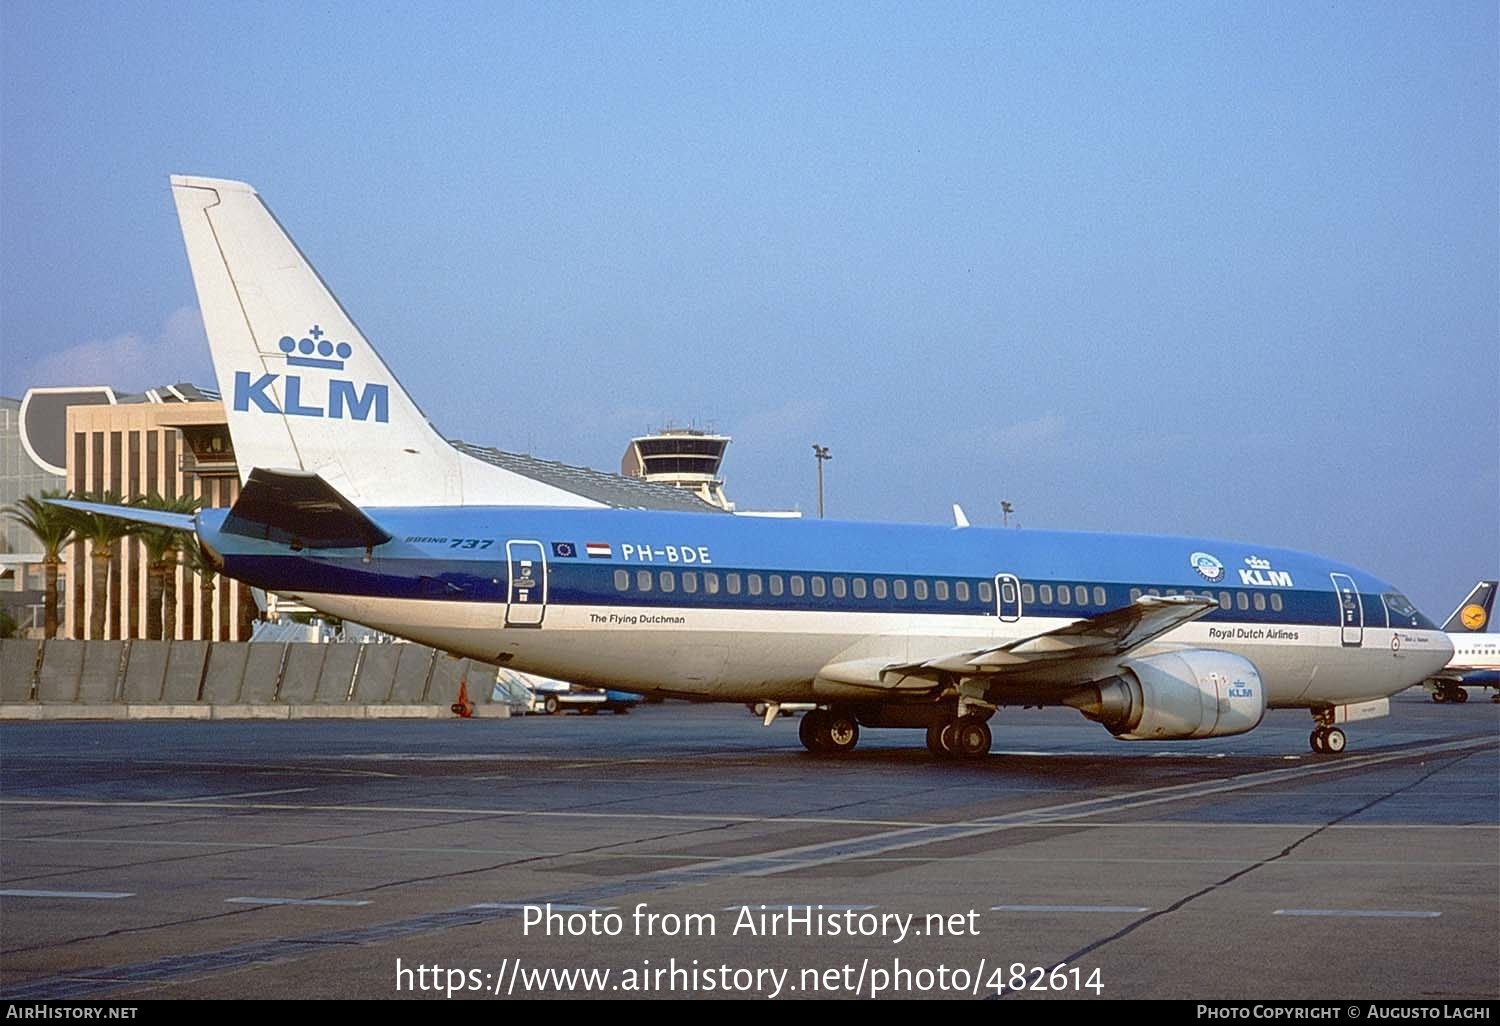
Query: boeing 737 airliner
1476, 652
354, 504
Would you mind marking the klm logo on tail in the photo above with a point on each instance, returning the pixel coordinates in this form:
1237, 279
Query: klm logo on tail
340, 400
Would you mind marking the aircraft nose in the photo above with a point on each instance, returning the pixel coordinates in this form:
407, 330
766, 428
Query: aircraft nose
1437, 655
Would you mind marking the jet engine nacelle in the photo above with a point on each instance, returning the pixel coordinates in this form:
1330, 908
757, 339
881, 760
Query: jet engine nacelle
1176, 696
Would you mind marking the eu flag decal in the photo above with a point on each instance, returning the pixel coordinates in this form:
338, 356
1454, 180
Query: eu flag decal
564, 550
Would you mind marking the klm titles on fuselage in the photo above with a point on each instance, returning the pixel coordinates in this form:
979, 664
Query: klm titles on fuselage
1259, 574
338, 399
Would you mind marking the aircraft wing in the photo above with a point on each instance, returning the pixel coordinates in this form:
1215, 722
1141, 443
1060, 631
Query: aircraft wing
1057, 656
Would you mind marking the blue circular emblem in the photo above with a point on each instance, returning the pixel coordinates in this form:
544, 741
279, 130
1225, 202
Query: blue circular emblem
1209, 568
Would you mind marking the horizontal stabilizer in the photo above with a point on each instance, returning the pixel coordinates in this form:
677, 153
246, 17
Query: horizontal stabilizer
134, 514
301, 509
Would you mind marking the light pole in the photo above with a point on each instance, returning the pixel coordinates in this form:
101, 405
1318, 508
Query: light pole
1006, 509
821, 453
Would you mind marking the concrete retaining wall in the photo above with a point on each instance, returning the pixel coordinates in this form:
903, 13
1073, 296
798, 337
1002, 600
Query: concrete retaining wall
64, 679
18, 664
145, 671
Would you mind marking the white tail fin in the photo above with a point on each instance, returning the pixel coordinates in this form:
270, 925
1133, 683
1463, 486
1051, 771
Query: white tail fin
302, 386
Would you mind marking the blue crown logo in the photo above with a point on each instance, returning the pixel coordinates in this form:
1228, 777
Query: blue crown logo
315, 350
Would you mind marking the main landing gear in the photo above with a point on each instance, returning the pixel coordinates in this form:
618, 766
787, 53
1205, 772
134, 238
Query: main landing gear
963, 737
835, 730
828, 731
1450, 693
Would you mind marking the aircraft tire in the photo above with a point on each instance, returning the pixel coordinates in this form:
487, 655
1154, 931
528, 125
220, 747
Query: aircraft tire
1316, 740
1334, 741
550, 705
810, 730
935, 740
839, 732
971, 738
1460, 695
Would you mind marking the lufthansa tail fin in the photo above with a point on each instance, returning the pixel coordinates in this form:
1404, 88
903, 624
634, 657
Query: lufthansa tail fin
302, 387
1473, 614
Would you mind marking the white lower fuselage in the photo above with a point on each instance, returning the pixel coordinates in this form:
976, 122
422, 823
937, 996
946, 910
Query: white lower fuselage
740, 655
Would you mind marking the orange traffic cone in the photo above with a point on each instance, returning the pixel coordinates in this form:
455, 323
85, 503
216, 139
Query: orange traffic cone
463, 707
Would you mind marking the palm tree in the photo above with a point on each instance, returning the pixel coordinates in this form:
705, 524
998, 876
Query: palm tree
101, 532
200, 563
162, 547
53, 527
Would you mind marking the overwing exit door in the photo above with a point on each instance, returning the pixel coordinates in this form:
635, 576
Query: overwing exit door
1008, 597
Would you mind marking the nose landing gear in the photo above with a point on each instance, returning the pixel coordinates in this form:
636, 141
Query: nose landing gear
1328, 740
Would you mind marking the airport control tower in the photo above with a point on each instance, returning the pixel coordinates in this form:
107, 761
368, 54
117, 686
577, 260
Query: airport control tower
683, 457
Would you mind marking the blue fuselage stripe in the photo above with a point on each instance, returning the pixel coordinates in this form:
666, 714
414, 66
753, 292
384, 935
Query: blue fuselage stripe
459, 555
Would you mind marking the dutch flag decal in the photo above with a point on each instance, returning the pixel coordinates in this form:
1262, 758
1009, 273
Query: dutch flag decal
598, 550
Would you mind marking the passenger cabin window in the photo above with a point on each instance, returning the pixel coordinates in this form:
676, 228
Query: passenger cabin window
1064, 595
710, 582
819, 587
940, 590
1242, 601
840, 587
799, 586
622, 580
668, 581
1260, 602
919, 590
1045, 591
777, 585
1028, 594
860, 587
986, 592
1100, 598
879, 587
1135, 593
961, 590
643, 580
690, 581
898, 590
732, 583
1276, 601
753, 584
1225, 602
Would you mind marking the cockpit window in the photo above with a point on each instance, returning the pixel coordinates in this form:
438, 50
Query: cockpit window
1402, 611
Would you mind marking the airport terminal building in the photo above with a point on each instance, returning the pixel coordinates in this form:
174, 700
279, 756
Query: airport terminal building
174, 442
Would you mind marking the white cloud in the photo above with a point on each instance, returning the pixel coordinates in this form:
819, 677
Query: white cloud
129, 362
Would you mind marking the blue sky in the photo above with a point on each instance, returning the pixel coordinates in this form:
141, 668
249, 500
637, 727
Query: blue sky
1220, 269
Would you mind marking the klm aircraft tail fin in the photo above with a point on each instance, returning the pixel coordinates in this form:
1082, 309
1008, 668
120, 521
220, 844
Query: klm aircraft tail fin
1473, 614
303, 388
